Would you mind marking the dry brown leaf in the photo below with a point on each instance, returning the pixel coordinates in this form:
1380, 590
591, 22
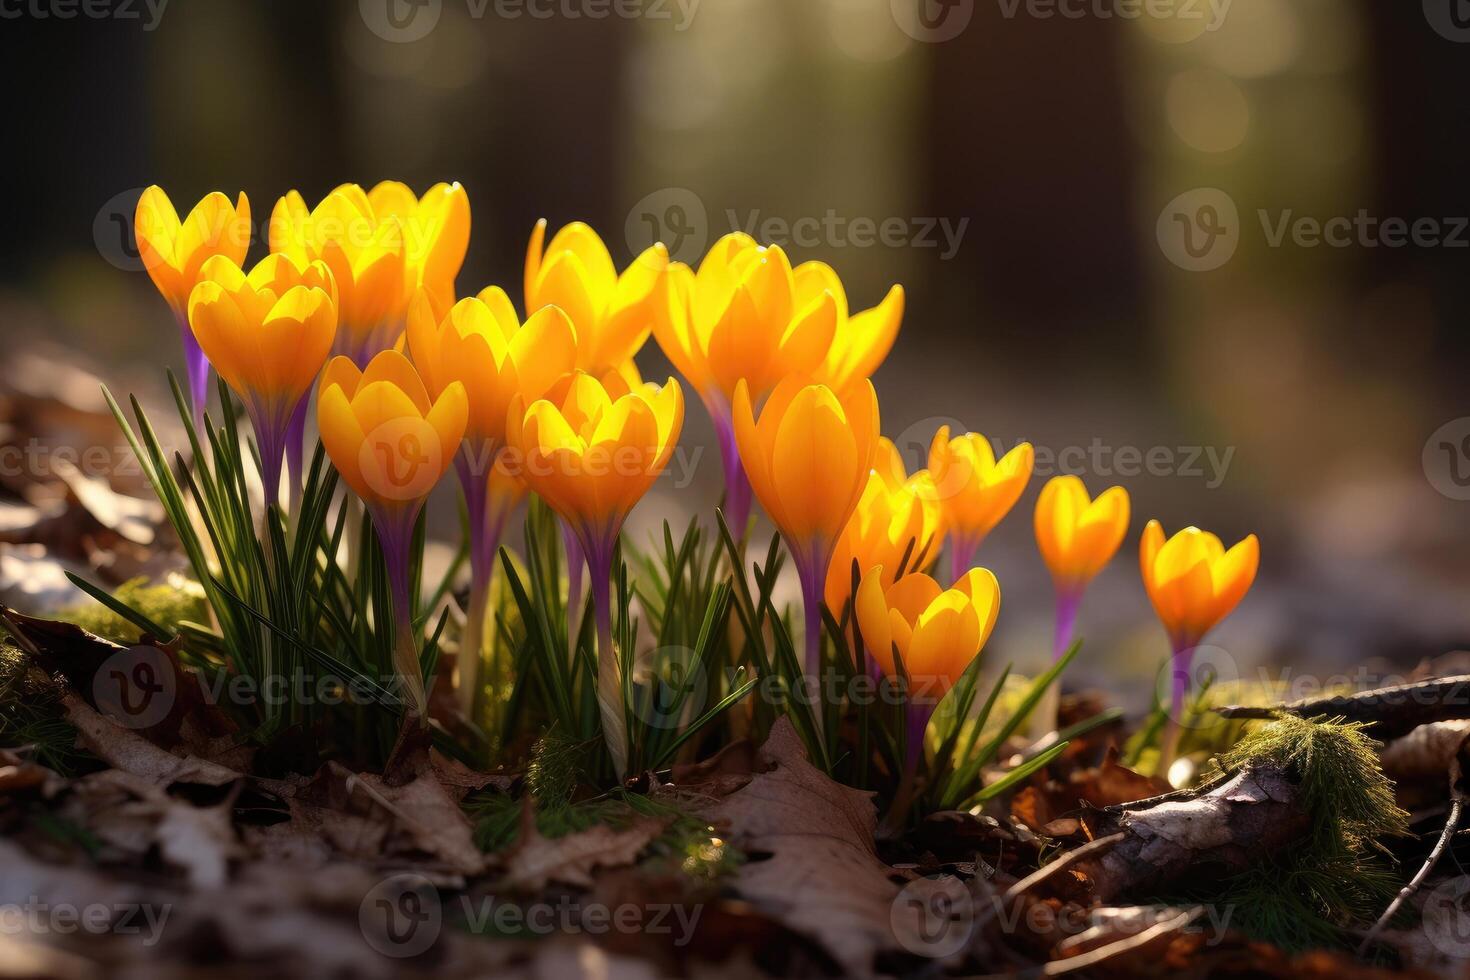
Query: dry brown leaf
130, 752
823, 877
535, 861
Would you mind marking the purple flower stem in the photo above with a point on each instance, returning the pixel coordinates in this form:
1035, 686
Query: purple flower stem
295, 448
483, 541
575, 560
599, 553
1179, 662
1067, 603
196, 367
395, 534
737, 484
961, 557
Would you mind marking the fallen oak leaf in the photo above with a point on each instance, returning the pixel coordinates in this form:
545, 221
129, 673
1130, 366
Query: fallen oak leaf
535, 861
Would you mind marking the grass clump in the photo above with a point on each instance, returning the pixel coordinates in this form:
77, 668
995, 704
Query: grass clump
1314, 894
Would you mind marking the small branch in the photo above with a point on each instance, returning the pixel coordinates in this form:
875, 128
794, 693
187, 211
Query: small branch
1057, 968
1452, 823
1393, 711
1066, 860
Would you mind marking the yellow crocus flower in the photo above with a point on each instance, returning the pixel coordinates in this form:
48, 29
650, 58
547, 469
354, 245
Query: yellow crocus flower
175, 251
897, 514
1193, 583
975, 490
808, 459
436, 231
367, 254
267, 334
592, 457
611, 313
391, 443
1077, 536
936, 633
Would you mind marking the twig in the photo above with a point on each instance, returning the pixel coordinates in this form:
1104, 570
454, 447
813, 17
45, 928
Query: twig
1452, 822
1393, 711
1066, 860
1092, 958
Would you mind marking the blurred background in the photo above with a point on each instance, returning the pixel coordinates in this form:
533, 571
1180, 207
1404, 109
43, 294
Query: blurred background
1103, 212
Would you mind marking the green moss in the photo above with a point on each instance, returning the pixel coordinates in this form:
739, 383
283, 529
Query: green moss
1316, 893
175, 601
32, 718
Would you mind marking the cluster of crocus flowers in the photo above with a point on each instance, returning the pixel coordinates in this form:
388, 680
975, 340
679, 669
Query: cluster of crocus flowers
392, 443
481, 345
1193, 583
747, 316
808, 459
366, 252
931, 633
174, 252
592, 457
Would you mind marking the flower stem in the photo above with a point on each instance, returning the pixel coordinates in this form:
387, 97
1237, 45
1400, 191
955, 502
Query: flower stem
575, 560
961, 557
609, 670
1178, 689
196, 367
812, 572
482, 565
1044, 719
737, 484
395, 537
